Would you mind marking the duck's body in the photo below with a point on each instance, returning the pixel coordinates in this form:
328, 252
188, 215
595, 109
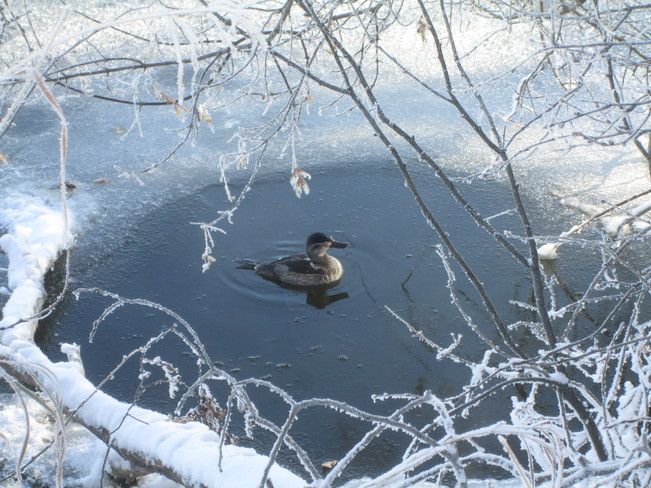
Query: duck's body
315, 268
300, 270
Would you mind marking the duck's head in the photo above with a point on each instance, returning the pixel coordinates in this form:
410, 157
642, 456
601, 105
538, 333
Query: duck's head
318, 244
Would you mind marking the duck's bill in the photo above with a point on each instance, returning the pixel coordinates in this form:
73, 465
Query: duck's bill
338, 244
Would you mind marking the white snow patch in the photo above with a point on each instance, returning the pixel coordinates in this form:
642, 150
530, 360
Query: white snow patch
549, 251
558, 377
82, 448
621, 183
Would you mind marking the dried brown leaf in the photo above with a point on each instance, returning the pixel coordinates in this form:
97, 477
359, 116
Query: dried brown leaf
180, 110
329, 464
204, 115
422, 29
166, 98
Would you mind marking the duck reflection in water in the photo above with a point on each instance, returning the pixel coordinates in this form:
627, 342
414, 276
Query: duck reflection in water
318, 297
314, 272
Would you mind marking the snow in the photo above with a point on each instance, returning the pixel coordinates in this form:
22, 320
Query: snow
83, 460
623, 181
632, 220
35, 236
559, 377
548, 252
81, 446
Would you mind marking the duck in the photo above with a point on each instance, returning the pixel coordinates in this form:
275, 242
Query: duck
314, 268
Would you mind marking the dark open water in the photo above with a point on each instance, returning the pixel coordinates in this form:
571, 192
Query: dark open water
347, 350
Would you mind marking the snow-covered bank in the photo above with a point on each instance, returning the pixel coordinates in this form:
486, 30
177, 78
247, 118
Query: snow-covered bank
35, 236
